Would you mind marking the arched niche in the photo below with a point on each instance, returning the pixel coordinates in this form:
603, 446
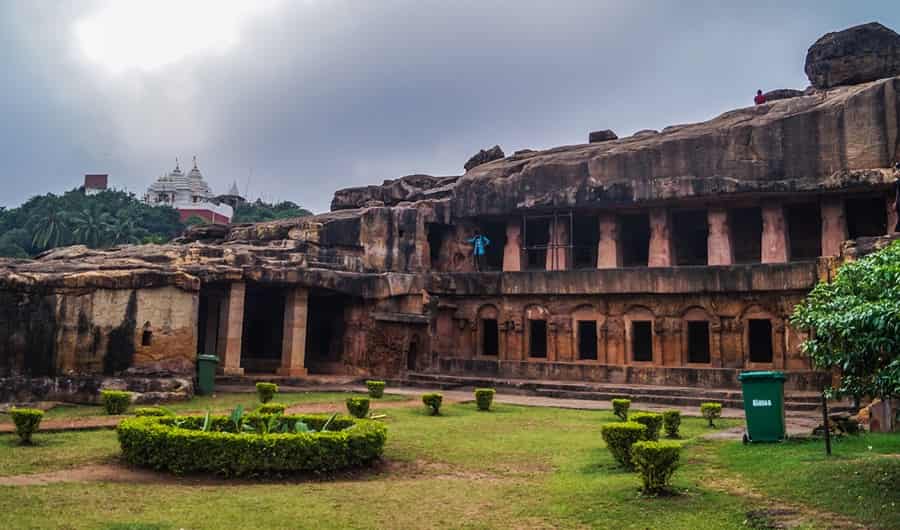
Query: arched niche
699, 340
588, 324
537, 332
762, 338
642, 345
488, 331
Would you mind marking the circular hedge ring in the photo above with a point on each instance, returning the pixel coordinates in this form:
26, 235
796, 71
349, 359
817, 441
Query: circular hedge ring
257, 445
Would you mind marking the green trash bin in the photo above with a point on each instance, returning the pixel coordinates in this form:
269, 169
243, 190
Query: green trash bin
206, 374
763, 406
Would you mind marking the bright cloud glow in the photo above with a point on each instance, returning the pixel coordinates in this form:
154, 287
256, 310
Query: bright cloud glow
149, 34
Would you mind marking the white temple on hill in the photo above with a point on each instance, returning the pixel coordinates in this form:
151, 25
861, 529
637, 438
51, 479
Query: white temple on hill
189, 194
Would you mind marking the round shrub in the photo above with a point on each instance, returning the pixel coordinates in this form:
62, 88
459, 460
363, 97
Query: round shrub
620, 408
619, 438
180, 445
115, 401
271, 408
376, 389
655, 461
711, 411
671, 422
433, 402
266, 391
484, 397
27, 422
651, 420
358, 407
151, 411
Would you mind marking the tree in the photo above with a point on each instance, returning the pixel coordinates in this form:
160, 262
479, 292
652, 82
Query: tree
854, 325
260, 211
123, 229
50, 229
91, 226
195, 220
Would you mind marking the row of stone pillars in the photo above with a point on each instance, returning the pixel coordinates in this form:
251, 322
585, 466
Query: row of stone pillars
231, 327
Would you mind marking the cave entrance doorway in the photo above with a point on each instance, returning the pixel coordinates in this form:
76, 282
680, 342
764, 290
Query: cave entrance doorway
495, 231
325, 330
209, 317
634, 234
804, 223
691, 236
261, 342
866, 217
746, 234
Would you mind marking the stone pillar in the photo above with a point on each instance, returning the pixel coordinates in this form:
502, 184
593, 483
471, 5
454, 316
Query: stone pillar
512, 250
293, 342
231, 329
834, 226
774, 234
558, 254
660, 239
719, 250
609, 255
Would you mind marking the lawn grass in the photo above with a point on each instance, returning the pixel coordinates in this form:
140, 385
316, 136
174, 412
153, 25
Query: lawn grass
54, 451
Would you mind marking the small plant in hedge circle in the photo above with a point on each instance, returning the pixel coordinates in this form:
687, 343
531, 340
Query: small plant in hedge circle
266, 391
619, 437
671, 423
27, 422
115, 401
271, 408
376, 389
358, 406
484, 397
655, 461
711, 411
651, 420
152, 411
433, 402
620, 408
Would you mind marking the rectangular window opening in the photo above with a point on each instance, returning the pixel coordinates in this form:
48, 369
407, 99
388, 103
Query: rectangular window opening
866, 217
537, 340
585, 238
587, 339
804, 231
698, 341
746, 234
490, 337
642, 340
537, 238
760, 339
691, 233
634, 236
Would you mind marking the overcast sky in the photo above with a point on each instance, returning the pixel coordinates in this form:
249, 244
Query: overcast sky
315, 95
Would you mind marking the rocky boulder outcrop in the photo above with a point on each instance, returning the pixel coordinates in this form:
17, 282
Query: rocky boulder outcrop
483, 157
855, 55
390, 192
782, 93
602, 136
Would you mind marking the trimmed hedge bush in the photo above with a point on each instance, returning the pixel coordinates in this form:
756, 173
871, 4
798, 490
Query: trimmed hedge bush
619, 438
655, 461
358, 406
177, 444
672, 422
620, 408
271, 408
151, 411
376, 389
651, 420
266, 391
27, 422
433, 402
484, 397
115, 401
711, 411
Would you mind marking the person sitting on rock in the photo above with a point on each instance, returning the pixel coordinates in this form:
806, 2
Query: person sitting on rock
480, 243
760, 98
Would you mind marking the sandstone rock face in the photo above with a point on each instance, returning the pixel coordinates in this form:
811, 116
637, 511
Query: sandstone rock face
391, 192
484, 156
855, 55
782, 93
602, 136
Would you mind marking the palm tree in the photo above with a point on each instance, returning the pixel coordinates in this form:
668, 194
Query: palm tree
50, 229
123, 230
91, 227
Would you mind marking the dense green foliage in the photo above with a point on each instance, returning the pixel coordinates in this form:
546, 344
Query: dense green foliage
620, 408
27, 422
266, 391
711, 411
655, 461
358, 406
115, 401
855, 324
619, 437
433, 402
671, 422
178, 445
271, 408
651, 420
376, 389
108, 218
254, 212
484, 397
151, 411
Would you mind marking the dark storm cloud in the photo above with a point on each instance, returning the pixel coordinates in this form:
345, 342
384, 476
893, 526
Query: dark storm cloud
326, 94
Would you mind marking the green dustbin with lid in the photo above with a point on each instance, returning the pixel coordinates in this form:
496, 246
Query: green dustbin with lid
763, 406
206, 374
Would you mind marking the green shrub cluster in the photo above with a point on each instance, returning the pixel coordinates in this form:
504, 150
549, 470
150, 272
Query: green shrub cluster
27, 422
620, 408
619, 438
484, 397
711, 411
672, 422
266, 391
115, 401
433, 402
271, 408
151, 411
655, 461
651, 420
178, 444
376, 389
358, 406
